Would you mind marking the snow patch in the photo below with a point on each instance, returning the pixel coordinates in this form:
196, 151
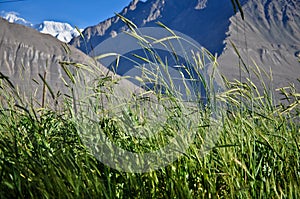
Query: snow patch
13, 17
201, 4
62, 31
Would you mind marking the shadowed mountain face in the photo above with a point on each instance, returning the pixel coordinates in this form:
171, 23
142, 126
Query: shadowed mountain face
206, 21
269, 36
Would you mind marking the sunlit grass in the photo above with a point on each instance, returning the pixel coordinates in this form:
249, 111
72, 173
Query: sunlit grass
256, 153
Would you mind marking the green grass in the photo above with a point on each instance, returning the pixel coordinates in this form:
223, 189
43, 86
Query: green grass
256, 155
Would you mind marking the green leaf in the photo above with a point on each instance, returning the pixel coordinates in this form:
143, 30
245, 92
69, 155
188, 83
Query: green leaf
48, 86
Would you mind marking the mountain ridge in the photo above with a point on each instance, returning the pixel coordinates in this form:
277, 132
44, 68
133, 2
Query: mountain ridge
26, 55
269, 36
62, 31
170, 13
268, 40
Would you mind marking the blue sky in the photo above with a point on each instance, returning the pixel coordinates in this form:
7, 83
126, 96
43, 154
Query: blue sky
81, 13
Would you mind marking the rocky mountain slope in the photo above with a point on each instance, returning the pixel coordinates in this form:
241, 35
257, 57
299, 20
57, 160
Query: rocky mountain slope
270, 34
269, 38
206, 21
27, 55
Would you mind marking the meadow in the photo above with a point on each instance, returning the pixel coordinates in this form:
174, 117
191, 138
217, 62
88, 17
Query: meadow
256, 153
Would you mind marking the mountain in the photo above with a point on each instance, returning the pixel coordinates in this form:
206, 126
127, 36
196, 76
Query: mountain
62, 31
269, 35
206, 21
27, 55
13, 17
